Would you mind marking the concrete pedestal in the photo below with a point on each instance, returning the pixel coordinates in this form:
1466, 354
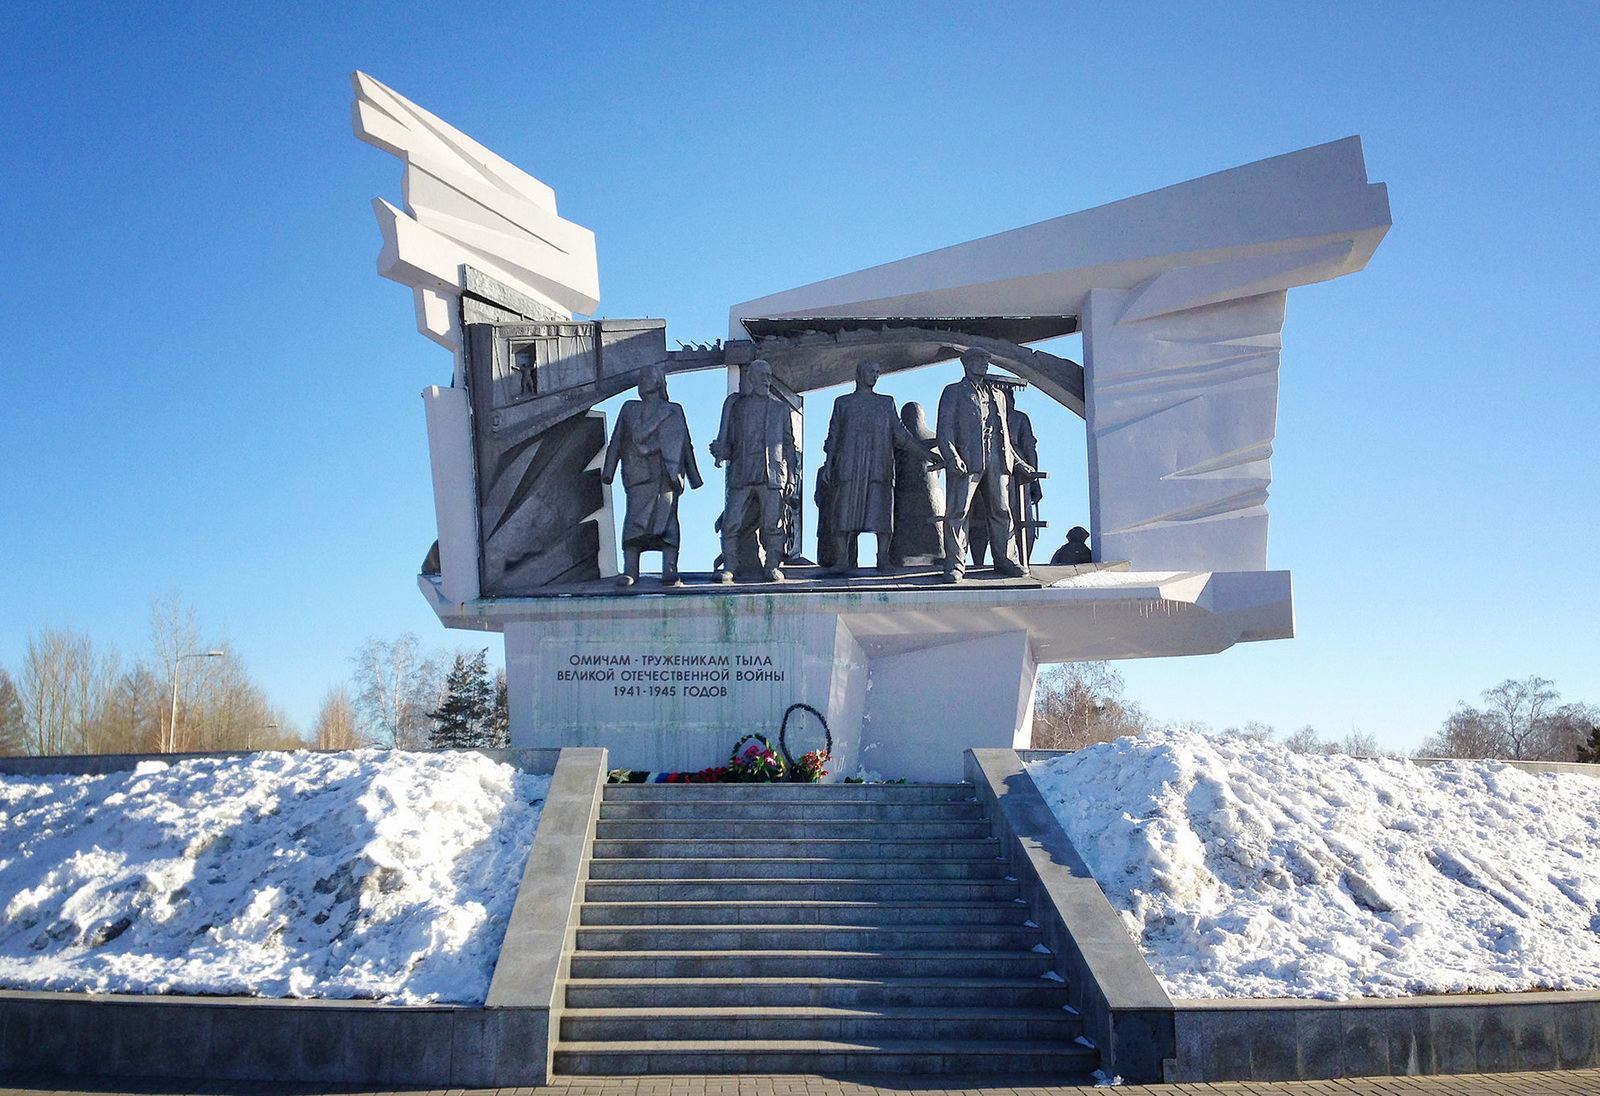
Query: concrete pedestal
908, 678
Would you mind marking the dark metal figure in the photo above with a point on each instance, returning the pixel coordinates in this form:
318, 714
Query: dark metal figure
756, 441
863, 436
979, 458
652, 443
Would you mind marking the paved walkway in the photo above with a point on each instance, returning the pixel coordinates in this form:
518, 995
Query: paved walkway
1584, 1082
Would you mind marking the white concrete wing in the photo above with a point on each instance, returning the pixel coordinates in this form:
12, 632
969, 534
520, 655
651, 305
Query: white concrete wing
1303, 217
466, 205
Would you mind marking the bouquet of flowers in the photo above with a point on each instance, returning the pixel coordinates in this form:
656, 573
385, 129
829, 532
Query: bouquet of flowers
811, 767
755, 761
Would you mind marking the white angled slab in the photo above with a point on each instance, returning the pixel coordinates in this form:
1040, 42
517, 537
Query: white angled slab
1299, 202
466, 205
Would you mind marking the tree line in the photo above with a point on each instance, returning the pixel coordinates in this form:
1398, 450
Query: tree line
1080, 703
191, 691
184, 692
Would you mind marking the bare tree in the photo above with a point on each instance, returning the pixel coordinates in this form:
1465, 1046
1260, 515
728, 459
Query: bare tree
63, 691
336, 722
1080, 703
13, 731
229, 711
397, 685
175, 644
1307, 741
134, 714
1520, 720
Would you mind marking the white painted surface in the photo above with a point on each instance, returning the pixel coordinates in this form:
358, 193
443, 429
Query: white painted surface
919, 675
985, 682
1180, 294
454, 505
1181, 411
466, 205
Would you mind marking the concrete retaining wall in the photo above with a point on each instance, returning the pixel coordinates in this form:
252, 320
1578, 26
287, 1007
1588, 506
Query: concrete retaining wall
506, 1043
1126, 1013
1282, 1040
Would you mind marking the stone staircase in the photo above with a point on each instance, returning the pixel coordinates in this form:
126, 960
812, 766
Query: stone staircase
840, 929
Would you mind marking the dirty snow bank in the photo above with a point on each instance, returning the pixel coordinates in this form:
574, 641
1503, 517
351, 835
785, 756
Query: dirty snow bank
1246, 870
368, 874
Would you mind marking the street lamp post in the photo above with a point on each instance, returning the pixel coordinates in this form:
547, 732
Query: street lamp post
171, 744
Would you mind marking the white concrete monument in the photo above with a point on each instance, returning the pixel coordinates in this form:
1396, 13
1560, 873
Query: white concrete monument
1179, 295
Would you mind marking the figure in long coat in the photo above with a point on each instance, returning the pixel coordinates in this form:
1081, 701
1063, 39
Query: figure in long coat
652, 443
863, 435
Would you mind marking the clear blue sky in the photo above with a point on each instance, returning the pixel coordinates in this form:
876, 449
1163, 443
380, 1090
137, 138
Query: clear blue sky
208, 389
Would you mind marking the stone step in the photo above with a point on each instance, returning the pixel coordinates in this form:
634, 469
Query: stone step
1069, 1064
796, 867
855, 810
870, 938
794, 793
825, 848
727, 912
770, 1024
767, 963
810, 831
803, 890
805, 992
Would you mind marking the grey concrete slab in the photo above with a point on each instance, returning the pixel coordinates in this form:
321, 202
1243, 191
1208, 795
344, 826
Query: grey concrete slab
1319, 1035
544, 917
1576, 1044
1536, 1038
1455, 1040
1496, 1040
1415, 1036
1366, 1043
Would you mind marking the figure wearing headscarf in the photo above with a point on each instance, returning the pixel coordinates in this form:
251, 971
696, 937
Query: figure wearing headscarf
918, 495
652, 443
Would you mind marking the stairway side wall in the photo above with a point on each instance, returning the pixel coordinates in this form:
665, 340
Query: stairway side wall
1126, 1013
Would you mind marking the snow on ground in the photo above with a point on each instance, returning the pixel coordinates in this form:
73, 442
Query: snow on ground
1246, 870
370, 874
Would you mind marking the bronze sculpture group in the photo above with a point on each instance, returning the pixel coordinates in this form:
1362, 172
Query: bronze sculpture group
879, 476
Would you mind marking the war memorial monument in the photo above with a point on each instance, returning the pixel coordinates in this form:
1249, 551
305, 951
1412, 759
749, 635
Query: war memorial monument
1179, 296
946, 924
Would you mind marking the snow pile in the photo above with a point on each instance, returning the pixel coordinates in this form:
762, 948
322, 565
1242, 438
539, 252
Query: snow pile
1246, 870
363, 874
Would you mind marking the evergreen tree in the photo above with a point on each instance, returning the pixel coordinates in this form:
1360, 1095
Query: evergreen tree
1589, 752
462, 718
500, 714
